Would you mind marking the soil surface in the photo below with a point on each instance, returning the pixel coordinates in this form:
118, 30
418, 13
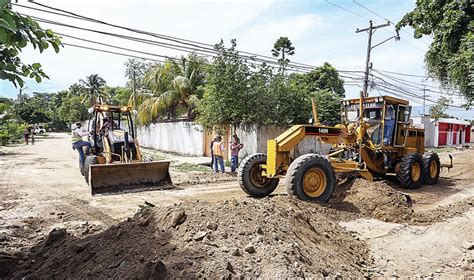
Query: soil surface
51, 227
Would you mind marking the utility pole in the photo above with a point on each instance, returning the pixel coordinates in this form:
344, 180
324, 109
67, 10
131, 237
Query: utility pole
134, 93
370, 30
424, 97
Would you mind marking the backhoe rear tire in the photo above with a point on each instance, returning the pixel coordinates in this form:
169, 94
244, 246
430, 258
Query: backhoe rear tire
250, 176
411, 170
431, 168
90, 160
311, 177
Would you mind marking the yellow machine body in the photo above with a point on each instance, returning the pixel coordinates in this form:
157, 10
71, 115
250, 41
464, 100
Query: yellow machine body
406, 139
117, 164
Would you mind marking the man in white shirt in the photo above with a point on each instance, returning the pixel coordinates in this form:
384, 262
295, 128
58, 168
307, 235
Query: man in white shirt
78, 144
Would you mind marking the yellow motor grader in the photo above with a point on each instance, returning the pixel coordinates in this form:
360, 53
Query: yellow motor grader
116, 163
374, 139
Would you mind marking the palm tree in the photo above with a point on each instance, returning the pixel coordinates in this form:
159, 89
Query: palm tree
93, 89
178, 83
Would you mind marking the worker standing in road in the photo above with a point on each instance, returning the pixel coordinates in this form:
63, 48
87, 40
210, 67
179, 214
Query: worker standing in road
218, 151
235, 147
78, 143
26, 134
212, 153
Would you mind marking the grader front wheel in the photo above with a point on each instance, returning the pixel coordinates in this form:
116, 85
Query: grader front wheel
250, 177
311, 177
411, 171
431, 168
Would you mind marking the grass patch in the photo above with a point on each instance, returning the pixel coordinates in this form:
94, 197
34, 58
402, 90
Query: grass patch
187, 167
441, 150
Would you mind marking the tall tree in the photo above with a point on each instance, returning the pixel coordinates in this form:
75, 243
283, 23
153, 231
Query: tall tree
226, 98
176, 84
93, 89
135, 70
450, 57
439, 110
284, 48
16, 32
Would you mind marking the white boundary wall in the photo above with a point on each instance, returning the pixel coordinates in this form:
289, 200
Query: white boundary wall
185, 138
255, 139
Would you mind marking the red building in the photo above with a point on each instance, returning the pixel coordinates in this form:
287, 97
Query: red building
450, 132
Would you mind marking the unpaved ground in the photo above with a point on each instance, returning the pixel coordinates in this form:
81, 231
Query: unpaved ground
41, 189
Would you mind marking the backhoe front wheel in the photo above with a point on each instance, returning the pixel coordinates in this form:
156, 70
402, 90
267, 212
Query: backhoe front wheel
431, 168
410, 172
311, 177
250, 176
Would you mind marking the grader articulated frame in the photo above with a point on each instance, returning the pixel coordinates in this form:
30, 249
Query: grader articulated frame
375, 138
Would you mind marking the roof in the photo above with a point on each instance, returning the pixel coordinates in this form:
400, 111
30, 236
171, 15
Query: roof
452, 121
386, 98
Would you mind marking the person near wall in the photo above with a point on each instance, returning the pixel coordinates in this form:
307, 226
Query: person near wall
78, 144
235, 147
212, 153
218, 152
26, 134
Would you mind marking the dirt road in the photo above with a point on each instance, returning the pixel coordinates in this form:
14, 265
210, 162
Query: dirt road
41, 188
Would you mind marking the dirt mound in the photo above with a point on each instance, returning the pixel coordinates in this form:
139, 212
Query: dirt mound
273, 237
443, 213
373, 199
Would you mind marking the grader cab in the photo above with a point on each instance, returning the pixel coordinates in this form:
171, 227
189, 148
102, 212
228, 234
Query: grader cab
375, 138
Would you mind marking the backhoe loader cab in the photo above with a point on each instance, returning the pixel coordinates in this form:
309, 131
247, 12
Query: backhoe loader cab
116, 163
375, 138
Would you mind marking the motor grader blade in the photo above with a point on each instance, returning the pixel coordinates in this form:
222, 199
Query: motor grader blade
129, 177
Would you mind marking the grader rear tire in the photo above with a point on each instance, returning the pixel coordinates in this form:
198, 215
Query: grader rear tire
411, 174
431, 168
90, 160
311, 177
250, 177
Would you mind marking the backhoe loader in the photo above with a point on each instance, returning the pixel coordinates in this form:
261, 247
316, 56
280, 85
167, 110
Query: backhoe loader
116, 163
375, 138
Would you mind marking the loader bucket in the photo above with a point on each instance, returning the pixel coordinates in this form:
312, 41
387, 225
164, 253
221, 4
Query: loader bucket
129, 177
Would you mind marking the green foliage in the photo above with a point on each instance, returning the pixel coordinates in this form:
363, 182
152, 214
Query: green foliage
118, 95
283, 47
93, 90
35, 109
227, 99
188, 167
72, 110
11, 131
176, 87
236, 94
323, 77
6, 105
450, 57
438, 111
16, 32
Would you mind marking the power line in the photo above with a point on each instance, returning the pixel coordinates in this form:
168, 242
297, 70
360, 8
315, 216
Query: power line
192, 43
349, 11
379, 15
111, 52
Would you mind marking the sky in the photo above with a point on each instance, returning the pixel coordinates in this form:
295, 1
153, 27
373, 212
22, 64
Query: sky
320, 32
